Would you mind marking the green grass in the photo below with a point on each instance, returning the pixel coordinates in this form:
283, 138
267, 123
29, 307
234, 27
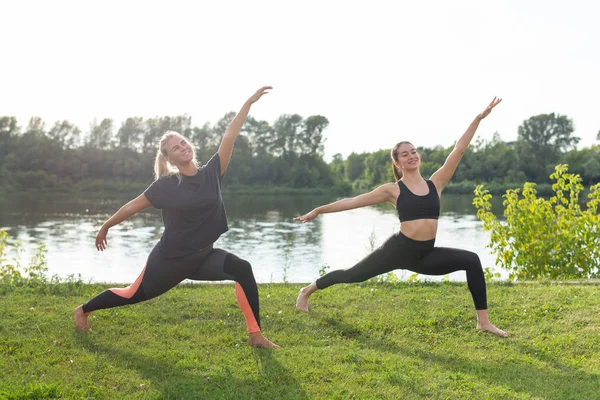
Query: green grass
376, 341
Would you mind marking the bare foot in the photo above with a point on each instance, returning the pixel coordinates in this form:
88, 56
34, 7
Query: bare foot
258, 340
81, 319
492, 329
302, 300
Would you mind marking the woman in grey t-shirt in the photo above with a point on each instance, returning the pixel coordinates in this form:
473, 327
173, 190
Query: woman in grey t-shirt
189, 197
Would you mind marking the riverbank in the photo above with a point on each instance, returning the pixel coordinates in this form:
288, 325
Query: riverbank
112, 188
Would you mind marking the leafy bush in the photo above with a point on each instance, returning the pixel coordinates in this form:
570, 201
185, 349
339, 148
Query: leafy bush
33, 277
545, 238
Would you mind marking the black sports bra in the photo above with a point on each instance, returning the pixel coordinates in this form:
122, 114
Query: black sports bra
411, 207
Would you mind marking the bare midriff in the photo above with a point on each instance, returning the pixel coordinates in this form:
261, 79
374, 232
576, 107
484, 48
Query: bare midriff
420, 229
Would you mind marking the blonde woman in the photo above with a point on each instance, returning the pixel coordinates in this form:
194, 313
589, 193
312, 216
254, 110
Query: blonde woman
194, 215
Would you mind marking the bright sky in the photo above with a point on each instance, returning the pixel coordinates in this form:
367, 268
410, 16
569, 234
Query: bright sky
380, 71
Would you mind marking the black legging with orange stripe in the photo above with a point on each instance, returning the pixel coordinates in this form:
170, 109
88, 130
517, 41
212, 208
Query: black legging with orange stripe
162, 274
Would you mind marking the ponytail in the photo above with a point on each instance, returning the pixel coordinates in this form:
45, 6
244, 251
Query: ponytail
396, 171
161, 165
397, 174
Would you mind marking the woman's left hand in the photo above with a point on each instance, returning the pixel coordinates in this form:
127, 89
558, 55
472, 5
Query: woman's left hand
489, 108
259, 93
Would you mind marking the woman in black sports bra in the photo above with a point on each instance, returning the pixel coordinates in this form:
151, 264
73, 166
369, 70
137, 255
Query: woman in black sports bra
418, 203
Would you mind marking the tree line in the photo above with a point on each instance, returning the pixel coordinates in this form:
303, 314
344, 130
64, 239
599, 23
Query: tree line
287, 153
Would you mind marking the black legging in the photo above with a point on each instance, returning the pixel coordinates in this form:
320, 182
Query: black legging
401, 252
162, 274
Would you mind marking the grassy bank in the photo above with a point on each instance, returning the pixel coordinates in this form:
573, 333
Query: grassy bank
131, 189
134, 189
407, 340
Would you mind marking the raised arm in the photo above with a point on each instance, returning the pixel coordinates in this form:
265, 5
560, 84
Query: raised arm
380, 195
442, 176
231, 134
134, 206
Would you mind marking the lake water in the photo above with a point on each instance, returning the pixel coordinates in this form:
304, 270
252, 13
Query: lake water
261, 231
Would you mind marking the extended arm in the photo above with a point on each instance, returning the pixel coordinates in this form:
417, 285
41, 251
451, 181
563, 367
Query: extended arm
442, 176
380, 195
233, 130
134, 206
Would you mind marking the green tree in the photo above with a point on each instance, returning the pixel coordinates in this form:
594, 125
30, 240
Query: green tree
586, 160
433, 159
67, 134
355, 166
130, 133
259, 134
205, 141
9, 130
378, 168
591, 169
311, 140
286, 133
9, 126
488, 161
337, 168
101, 135
36, 126
543, 138
218, 129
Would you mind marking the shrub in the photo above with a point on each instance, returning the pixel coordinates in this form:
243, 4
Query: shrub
545, 238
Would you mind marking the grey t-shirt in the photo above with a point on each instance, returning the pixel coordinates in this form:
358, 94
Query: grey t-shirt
192, 210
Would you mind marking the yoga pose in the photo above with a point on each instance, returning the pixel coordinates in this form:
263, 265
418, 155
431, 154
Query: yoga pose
417, 201
194, 217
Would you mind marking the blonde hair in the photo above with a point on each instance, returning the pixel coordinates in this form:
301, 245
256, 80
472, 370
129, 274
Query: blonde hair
162, 165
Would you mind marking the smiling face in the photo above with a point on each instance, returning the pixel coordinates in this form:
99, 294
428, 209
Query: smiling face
179, 150
407, 157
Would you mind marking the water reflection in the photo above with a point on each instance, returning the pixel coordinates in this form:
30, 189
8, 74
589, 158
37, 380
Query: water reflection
261, 230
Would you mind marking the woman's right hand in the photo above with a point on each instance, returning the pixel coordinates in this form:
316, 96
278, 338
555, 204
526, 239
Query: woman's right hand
307, 217
101, 239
